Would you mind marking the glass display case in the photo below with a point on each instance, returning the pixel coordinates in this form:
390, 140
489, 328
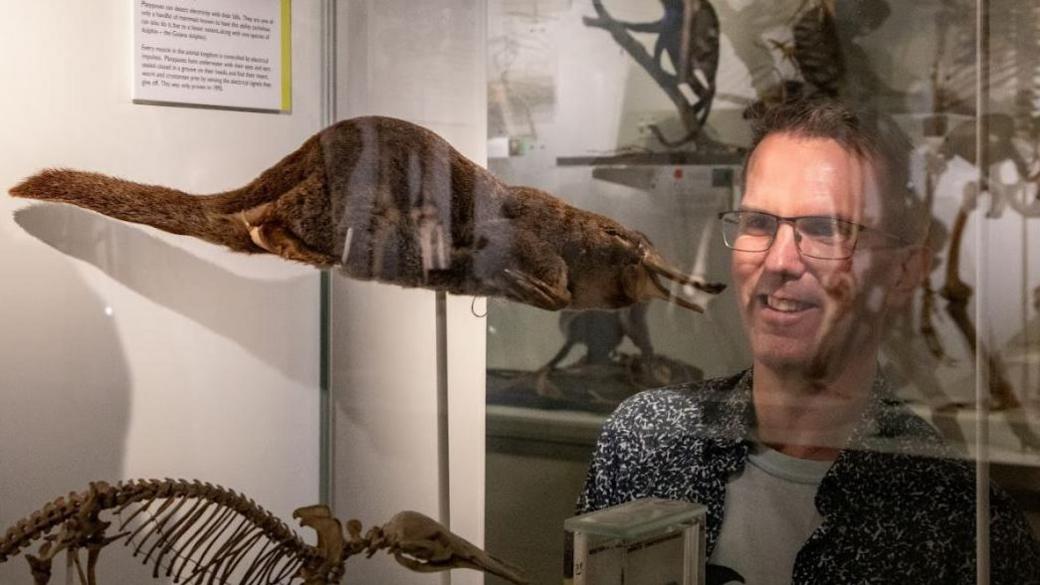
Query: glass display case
640, 111
476, 229
131, 352
640, 541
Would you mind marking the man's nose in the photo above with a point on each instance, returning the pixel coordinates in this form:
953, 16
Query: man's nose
783, 256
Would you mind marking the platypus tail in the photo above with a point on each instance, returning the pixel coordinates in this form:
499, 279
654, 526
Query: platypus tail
219, 219
160, 207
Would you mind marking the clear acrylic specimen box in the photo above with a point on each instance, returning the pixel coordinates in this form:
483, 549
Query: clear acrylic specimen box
644, 542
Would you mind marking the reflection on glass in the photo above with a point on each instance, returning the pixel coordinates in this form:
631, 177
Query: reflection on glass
878, 335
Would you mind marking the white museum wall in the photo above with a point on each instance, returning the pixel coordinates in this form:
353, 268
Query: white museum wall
423, 62
126, 352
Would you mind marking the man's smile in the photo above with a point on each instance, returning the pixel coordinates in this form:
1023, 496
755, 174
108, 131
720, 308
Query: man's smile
784, 304
783, 310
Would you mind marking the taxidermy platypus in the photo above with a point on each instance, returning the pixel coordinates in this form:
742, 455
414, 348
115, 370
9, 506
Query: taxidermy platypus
390, 201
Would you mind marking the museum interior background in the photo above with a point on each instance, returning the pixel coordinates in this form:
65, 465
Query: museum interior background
127, 352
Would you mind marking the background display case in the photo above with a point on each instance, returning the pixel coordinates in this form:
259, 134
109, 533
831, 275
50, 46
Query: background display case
574, 108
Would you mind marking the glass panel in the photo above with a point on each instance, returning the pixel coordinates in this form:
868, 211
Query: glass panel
407, 363
887, 388
1010, 268
126, 351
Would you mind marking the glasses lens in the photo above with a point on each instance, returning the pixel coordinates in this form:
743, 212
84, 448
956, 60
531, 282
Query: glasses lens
748, 231
826, 237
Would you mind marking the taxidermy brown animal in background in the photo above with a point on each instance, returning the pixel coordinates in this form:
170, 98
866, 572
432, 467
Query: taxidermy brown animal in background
390, 201
817, 48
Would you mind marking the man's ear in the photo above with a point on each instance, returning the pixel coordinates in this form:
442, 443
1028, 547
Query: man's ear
911, 270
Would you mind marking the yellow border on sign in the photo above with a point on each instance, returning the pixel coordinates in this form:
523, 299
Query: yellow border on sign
286, 55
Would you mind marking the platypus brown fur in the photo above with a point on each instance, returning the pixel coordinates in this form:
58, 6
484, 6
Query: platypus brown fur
388, 200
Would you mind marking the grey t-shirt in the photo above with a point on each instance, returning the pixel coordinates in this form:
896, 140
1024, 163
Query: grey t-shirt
769, 514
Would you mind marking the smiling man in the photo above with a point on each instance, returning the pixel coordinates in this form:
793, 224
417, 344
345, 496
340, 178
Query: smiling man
811, 470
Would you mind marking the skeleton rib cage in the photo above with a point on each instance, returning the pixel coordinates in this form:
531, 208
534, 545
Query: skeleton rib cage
194, 532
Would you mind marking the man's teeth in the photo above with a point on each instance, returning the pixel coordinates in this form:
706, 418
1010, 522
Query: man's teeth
785, 305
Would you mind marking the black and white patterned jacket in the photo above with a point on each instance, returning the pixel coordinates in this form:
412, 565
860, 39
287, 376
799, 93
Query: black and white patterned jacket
898, 506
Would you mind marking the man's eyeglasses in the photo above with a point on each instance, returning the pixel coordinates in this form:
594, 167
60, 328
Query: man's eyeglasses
822, 237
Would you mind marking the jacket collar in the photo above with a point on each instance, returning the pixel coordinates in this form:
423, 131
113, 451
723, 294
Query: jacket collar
886, 434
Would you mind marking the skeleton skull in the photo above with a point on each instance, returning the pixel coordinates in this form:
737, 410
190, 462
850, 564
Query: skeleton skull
423, 544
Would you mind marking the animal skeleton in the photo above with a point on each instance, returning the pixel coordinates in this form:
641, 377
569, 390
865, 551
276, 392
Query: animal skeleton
387, 200
1012, 60
957, 295
203, 533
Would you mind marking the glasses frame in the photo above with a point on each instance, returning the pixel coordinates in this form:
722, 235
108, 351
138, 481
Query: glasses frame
860, 228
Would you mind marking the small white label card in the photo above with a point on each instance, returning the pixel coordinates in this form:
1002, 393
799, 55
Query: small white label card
224, 53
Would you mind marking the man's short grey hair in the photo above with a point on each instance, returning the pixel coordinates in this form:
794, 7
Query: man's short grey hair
862, 132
